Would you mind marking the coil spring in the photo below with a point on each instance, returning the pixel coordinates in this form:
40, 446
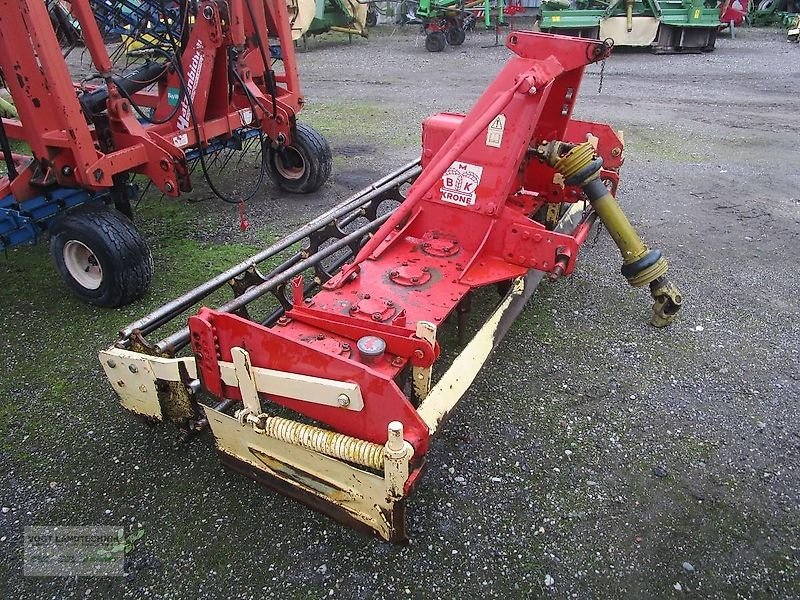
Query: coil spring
325, 442
575, 160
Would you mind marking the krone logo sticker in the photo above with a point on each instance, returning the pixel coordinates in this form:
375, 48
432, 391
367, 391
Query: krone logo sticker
459, 183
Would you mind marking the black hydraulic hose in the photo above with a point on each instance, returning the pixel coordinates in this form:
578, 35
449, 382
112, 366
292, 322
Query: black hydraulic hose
95, 102
196, 127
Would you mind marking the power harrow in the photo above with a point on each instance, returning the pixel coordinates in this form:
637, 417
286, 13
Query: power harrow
316, 377
203, 84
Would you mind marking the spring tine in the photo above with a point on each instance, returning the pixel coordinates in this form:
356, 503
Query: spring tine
146, 188
214, 159
241, 158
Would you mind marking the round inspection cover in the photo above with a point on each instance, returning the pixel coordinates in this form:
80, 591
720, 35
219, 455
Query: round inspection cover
438, 243
410, 275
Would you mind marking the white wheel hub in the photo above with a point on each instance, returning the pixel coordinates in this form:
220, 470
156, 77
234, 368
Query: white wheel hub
290, 166
83, 265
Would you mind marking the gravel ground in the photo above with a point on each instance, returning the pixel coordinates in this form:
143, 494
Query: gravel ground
594, 457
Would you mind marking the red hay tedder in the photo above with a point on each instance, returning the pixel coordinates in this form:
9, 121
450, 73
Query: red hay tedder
214, 86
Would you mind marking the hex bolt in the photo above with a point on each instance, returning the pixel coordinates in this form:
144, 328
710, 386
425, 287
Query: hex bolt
343, 400
111, 363
133, 368
169, 187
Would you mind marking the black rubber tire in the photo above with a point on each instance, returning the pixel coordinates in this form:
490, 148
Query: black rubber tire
372, 17
435, 41
305, 165
123, 256
456, 36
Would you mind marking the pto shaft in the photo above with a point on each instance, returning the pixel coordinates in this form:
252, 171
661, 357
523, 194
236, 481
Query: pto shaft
580, 165
629, 15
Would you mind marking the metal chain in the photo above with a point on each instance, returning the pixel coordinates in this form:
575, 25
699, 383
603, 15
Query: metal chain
602, 72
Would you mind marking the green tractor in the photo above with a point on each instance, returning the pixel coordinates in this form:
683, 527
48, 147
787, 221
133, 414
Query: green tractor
664, 26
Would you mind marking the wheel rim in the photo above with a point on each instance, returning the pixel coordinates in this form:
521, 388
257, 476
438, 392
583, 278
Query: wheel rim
83, 265
290, 164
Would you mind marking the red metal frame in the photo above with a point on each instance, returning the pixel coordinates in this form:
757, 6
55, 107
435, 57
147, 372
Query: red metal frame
466, 223
66, 148
730, 14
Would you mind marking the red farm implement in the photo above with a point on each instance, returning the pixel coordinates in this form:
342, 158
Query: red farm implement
209, 85
327, 392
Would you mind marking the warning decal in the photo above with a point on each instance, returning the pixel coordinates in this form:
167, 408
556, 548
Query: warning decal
494, 135
460, 182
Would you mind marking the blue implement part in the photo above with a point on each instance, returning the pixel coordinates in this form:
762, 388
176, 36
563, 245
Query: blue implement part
22, 223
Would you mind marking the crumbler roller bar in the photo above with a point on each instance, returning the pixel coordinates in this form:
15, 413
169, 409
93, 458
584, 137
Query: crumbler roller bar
326, 392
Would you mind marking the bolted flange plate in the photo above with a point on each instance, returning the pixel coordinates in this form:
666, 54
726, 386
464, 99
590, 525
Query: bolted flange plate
439, 243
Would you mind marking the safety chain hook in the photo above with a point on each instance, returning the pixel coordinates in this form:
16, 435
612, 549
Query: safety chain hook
599, 54
602, 72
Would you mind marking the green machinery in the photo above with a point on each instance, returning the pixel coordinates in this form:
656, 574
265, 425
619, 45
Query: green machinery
315, 17
664, 26
774, 12
444, 22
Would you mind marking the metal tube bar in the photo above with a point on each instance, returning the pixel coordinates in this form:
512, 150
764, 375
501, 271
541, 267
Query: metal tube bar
92, 36
179, 339
288, 263
182, 303
280, 311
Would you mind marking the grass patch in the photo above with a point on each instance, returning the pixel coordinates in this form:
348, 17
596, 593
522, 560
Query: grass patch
364, 121
663, 144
